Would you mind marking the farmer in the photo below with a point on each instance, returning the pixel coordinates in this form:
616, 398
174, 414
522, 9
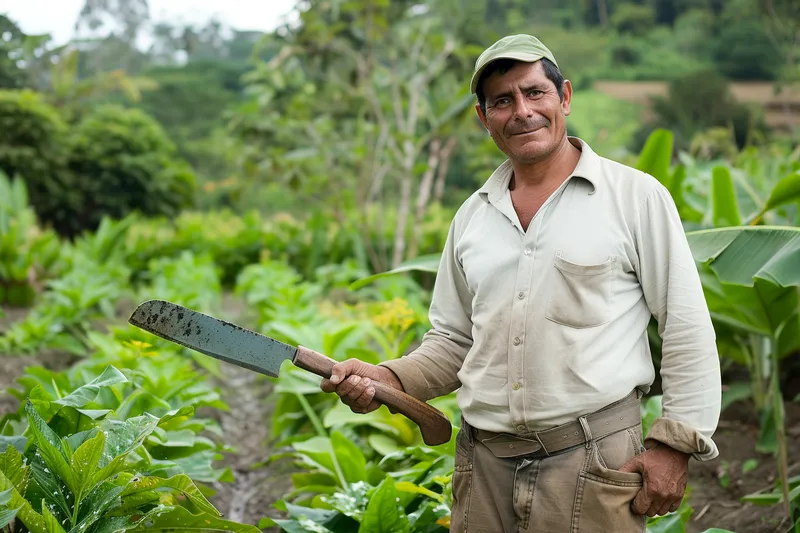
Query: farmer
550, 274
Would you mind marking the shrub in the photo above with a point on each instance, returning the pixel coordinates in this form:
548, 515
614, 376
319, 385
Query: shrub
32, 143
697, 102
122, 162
632, 18
743, 51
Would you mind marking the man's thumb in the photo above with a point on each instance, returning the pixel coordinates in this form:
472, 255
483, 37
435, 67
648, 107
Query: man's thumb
341, 370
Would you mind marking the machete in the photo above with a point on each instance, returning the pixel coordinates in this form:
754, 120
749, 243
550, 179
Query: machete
243, 347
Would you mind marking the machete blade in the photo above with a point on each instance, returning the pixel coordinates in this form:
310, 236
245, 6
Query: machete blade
212, 336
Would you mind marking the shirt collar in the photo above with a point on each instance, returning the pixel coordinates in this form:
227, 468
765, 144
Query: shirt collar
588, 168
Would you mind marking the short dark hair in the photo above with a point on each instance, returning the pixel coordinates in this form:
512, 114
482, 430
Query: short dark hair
504, 65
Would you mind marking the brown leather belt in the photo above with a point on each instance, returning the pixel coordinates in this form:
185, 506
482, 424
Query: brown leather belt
620, 415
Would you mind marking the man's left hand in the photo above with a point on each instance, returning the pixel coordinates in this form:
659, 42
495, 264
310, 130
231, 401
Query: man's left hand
665, 472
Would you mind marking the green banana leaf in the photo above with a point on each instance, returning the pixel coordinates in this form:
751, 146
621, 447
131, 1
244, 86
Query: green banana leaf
743, 254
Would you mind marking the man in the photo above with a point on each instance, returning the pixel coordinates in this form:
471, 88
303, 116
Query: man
550, 274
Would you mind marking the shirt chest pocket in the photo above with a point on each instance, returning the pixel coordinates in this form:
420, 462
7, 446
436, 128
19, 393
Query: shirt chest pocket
580, 295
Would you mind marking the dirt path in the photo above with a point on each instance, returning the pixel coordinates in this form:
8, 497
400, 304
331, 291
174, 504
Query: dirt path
246, 428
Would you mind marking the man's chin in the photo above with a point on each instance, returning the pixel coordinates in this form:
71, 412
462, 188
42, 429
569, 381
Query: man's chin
531, 151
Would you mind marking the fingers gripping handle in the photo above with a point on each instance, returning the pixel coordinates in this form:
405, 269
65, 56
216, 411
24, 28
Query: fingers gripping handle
433, 424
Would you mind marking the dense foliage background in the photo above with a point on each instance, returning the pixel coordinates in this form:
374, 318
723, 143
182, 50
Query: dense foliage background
274, 178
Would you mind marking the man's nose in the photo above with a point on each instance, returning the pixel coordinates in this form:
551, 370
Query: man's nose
521, 107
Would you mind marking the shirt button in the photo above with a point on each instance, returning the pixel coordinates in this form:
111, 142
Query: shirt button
527, 251
521, 295
520, 428
517, 341
516, 386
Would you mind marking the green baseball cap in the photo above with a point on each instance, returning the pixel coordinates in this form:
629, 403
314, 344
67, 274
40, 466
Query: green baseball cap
521, 47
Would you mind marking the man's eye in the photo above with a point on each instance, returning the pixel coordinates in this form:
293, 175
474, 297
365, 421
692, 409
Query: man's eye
535, 92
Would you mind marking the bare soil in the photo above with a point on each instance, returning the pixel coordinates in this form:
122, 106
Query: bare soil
781, 108
719, 506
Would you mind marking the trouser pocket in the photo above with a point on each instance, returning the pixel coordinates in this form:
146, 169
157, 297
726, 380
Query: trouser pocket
603, 498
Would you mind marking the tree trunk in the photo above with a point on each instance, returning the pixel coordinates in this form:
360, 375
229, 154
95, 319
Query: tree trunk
444, 166
602, 12
404, 205
425, 186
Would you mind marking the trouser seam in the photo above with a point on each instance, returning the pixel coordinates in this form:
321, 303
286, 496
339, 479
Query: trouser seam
533, 478
576, 508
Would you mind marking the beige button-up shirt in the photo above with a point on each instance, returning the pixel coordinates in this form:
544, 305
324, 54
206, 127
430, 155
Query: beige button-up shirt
535, 328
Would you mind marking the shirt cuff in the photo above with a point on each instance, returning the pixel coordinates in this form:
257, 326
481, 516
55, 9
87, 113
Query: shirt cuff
410, 376
682, 437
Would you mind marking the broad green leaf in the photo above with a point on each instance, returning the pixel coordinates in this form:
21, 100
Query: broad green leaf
724, 207
32, 520
12, 464
113, 524
742, 254
383, 444
172, 418
6, 516
180, 519
302, 479
103, 498
311, 517
424, 263
87, 393
351, 460
5, 496
383, 514
341, 415
94, 414
670, 523
180, 482
50, 447
405, 486
785, 191
50, 521
121, 439
85, 462
50, 486
656, 155
316, 451
676, 187
13, 441
734, 392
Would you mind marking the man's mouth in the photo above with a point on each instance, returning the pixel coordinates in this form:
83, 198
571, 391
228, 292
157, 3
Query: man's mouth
525, 132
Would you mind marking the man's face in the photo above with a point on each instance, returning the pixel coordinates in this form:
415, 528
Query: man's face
524, 113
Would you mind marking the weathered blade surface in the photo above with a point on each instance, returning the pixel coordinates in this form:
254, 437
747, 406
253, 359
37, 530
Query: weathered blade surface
212, 336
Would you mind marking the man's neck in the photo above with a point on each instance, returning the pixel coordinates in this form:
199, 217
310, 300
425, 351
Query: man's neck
549, 172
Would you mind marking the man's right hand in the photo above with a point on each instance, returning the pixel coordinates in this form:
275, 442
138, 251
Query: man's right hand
351, 380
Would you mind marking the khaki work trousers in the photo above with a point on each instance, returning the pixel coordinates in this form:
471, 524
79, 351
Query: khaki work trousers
577, 490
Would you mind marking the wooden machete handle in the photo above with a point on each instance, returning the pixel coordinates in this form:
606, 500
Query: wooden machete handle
433, 424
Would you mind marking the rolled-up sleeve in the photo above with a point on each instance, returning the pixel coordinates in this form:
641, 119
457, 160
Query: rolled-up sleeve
690, 368
431, 370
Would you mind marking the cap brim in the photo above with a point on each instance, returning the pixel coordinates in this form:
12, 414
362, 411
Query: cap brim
530, 58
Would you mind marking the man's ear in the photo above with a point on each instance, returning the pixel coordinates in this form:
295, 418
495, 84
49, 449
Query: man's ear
566, 100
